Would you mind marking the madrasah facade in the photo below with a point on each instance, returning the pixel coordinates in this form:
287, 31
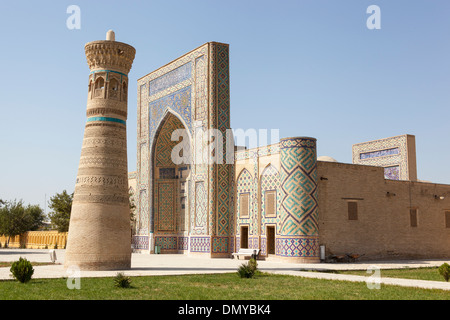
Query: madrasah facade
281, 199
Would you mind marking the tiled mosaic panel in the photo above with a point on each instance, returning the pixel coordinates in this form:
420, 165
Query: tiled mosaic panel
389, 152
224, 188
244, 184
166, 242
220, 244
299, 187
270, 180
392, 173
297, 247
201, 88
379, 153
225, 172
143, 219
166, 204
170, 79
164, 143
199, 244
140, 242
200, 204
170, 89
179, 102
183, 243
143, 113
221, 176
143, 170
192, 93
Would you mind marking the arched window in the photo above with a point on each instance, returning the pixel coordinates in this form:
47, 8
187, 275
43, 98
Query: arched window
113, 89
270, 192
99, 86
124, 91
90, 90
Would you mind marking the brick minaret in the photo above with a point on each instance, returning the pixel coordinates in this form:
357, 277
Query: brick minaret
99, 233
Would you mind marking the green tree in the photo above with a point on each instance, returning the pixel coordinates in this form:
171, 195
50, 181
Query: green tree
61, 204
16, 219
36, 217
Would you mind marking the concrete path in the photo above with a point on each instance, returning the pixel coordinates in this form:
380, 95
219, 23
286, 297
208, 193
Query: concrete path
175, 264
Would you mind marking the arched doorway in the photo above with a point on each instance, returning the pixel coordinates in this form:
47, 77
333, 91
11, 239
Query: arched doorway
170, 189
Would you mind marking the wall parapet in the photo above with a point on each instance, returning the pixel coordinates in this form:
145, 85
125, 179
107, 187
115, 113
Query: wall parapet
37, 240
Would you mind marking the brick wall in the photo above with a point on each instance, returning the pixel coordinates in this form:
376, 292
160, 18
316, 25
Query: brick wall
383, 228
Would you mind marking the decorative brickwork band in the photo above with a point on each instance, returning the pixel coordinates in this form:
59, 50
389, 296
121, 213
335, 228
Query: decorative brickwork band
299, 208
99, 230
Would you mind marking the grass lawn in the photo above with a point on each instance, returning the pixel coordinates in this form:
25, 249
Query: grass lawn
226, 286
428, 273
9, 263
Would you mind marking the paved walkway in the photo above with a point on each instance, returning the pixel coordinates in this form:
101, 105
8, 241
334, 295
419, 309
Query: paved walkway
174, 264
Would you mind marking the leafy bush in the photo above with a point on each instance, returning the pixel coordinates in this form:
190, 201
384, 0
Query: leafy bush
122, 281
22, 270
444, 270
248, 270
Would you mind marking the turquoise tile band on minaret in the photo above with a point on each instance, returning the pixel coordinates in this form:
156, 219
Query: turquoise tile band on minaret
106, 119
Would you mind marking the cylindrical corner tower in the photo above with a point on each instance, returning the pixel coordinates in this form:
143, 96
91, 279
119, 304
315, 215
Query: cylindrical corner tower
99, 232
298, 238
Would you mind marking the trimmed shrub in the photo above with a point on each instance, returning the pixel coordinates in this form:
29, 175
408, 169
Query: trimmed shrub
122, 281
444, 270
22, 270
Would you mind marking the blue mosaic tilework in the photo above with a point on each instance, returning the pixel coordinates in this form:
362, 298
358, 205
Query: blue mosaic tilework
393, 152
140, 242
106, 119
179, 101
379, 153
299, 186
170, 79
392, 173
199, 244
305, 247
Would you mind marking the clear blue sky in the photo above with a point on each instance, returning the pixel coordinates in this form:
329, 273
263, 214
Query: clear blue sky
308, 68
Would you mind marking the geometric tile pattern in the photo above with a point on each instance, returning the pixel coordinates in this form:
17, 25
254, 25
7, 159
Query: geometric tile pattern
195, 89
166, 203
392, 173
169, 89
170, 79
393, 152
297, 247
221, 174
164, 143
299, 206
183, 243
140, 242
201, 89
166, 242
179, 102
379, 153
223, 198
244, 185
270, 181
220, 244
200, 204
199, 244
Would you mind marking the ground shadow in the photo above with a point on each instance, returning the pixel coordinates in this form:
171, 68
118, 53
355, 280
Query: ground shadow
20, 252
